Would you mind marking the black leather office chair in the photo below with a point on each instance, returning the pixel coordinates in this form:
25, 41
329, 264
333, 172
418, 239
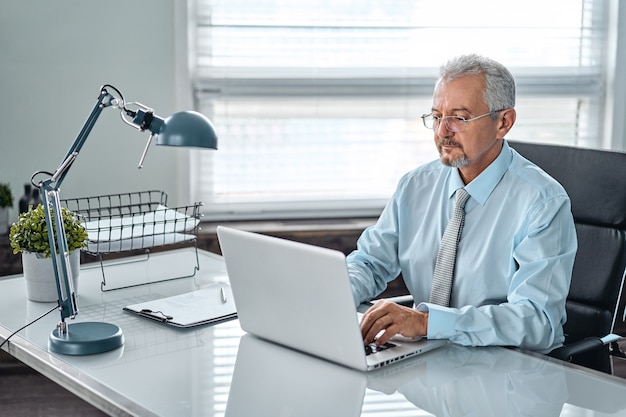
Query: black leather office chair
596, 183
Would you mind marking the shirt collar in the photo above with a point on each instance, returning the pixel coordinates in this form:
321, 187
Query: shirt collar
482, 186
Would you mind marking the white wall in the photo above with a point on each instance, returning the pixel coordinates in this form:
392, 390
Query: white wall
54, 57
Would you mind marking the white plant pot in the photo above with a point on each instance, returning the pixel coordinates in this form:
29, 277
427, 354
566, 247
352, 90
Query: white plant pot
4, 220
39, 276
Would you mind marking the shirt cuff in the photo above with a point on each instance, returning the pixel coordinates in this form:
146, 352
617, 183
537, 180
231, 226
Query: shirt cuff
441, 321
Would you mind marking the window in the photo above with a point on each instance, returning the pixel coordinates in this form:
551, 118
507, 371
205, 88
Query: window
317, 102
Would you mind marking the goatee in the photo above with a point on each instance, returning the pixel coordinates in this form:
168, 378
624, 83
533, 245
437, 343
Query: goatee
458, 162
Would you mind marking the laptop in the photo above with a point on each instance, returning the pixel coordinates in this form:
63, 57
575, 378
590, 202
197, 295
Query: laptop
299, 296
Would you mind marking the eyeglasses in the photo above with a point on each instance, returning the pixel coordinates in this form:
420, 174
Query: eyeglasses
453, 123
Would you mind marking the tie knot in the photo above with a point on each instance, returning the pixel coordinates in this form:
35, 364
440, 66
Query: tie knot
461, 197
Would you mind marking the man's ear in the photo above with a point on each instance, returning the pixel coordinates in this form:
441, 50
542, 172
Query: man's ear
507, 120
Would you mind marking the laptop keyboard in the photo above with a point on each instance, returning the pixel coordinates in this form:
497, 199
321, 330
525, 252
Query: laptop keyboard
372, 348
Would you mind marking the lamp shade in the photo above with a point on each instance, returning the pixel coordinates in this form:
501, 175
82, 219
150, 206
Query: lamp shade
188, 129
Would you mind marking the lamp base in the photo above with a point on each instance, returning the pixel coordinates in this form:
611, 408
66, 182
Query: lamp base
86, 338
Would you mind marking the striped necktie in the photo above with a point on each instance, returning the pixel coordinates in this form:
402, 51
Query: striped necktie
446, 258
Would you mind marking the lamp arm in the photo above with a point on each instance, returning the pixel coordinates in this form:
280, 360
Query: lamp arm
59, 252
105, 99
57, 239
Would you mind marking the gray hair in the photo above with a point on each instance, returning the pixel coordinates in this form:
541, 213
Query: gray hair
499, 83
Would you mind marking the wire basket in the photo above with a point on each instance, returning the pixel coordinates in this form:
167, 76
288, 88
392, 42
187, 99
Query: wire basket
136, 220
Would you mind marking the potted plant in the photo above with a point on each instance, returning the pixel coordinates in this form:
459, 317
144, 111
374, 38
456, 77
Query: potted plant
6, 202
29, 236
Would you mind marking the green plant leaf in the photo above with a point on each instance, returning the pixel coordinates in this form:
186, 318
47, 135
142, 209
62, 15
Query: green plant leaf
30, 233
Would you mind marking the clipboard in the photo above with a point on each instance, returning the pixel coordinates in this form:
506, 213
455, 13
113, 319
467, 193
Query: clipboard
209, 305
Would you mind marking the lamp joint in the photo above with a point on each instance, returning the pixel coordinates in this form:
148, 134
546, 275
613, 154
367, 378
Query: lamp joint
62, 327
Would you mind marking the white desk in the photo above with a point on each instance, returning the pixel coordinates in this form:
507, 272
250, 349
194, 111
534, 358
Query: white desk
206, 372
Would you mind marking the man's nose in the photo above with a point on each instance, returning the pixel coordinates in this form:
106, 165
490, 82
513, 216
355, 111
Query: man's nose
442, 129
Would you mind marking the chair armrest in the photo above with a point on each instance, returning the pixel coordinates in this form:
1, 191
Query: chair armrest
405, 300
566, 352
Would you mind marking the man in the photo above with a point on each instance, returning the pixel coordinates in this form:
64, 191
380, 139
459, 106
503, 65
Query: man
513, 263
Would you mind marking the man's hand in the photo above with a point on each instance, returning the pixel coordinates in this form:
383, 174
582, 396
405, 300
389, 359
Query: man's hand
392, 319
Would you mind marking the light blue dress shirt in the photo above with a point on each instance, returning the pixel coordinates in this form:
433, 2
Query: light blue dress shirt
514, 261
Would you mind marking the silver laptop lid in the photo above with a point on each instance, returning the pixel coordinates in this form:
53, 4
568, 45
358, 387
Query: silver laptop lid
293, 294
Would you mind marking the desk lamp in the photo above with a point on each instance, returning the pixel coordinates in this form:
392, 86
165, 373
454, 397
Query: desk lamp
189, 129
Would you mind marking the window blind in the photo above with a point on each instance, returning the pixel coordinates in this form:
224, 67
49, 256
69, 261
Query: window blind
317, 103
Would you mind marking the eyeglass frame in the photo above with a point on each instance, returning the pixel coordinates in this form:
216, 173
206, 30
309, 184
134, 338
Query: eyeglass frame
459, 118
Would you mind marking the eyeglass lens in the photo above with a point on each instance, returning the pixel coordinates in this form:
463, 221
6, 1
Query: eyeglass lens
453, 123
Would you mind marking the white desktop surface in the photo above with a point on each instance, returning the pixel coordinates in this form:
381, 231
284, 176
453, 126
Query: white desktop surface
167, 371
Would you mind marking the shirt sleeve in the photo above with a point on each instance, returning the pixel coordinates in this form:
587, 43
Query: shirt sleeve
375, 261
533, 315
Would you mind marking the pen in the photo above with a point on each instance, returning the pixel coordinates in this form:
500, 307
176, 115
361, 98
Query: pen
156, 314
223, 294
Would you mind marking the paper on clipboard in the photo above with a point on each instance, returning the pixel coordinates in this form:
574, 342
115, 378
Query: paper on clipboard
209, 305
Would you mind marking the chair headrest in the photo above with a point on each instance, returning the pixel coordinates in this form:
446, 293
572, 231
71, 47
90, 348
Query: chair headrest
594, 179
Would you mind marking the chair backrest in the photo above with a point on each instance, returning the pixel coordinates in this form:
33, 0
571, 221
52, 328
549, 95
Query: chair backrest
596, 183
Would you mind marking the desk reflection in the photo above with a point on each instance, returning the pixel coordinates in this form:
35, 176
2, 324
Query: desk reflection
271, 380
461, 381
454, 381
